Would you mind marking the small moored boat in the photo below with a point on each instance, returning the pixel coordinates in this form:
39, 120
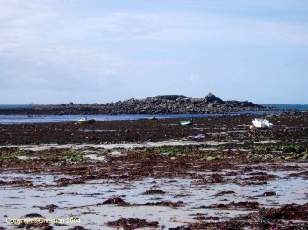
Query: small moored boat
85, 120
261, 123
184, 123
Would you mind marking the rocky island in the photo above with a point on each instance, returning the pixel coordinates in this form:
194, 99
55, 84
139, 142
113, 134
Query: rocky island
165, 104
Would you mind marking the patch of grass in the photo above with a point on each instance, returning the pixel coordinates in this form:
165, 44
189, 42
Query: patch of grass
11, 156
170, 150
176, 150
293, 148
262, 149
73, 156
287, 151
8, 158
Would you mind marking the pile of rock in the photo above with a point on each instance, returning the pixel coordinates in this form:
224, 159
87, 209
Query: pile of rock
178, 104
165, 104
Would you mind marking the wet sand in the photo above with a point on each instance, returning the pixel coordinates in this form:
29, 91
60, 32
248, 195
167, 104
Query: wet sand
215, 174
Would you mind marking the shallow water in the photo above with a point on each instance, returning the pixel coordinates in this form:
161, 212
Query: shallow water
121, 145
20, 119
82, 200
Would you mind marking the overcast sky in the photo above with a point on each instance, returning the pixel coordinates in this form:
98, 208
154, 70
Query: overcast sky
94, 51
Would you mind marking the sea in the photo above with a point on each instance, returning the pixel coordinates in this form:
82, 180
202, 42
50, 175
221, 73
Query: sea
288, 107
21, 119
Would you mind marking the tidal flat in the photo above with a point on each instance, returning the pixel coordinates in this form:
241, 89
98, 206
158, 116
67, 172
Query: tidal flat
156, 174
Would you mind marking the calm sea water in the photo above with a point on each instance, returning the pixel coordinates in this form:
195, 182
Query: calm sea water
287, 107
15, 106
17, 119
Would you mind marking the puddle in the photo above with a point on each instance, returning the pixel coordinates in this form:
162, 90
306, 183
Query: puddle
41, 179
95, 157
27, 158
117, 146
97, 130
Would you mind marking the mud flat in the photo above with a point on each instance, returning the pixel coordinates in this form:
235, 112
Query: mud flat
215, 174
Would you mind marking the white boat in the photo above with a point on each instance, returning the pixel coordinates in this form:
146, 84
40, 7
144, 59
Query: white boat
261, 123
184, 123
84, 119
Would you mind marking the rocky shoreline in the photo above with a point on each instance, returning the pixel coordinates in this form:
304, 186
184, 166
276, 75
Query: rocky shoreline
214, 174
167, 104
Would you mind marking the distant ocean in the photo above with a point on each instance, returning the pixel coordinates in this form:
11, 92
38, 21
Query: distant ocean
287, 107
15, 106
20, 119
281, 107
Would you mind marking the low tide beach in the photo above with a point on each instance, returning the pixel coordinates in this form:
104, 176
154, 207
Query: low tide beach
216, 173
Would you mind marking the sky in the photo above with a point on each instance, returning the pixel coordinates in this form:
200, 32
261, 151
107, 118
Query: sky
97, 51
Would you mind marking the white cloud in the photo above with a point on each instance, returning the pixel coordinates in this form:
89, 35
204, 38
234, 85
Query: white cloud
21, 22
35, 24
254, 31
45, 44
189, 27
124, 25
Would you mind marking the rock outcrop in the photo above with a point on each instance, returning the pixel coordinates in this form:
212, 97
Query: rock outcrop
165, 104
